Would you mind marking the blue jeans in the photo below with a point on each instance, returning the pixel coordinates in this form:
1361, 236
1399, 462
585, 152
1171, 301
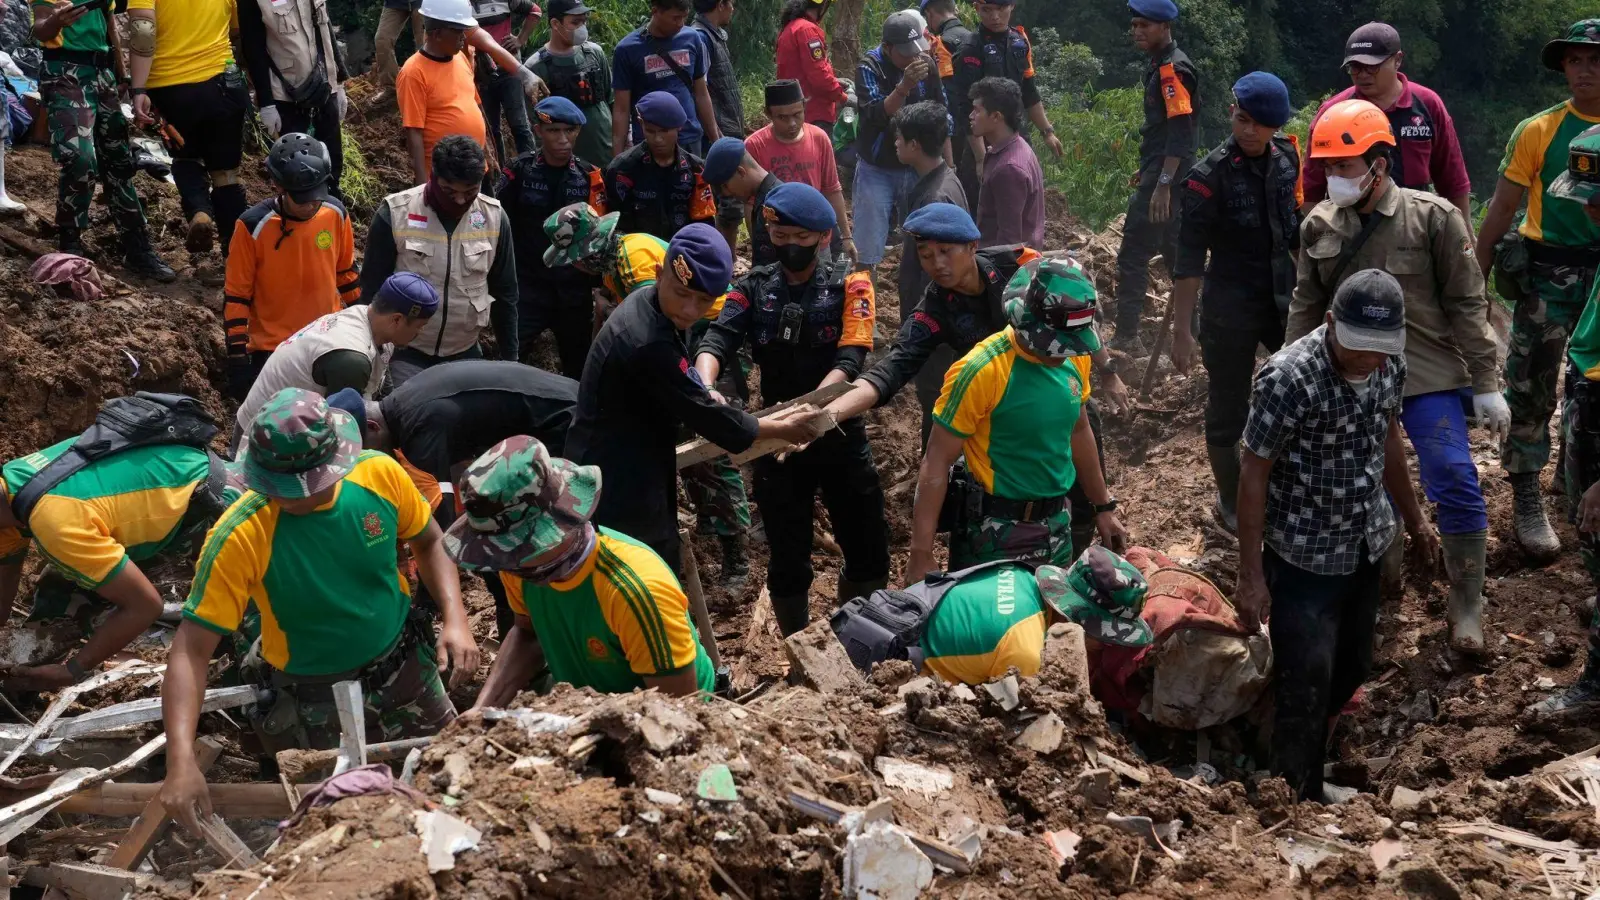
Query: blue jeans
878, 194
1437, 426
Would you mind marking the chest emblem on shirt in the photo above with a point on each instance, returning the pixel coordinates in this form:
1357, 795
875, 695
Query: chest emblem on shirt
598, 651
477, 219
324, 239
373, 526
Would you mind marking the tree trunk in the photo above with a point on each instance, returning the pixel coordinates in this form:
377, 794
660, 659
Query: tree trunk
844, 23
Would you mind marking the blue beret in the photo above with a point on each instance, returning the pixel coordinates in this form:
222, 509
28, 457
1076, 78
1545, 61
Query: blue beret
942, 222
350, 400
1264, 97
725, 156
559, 109
700, 257
1154, 10
661, 109
409, 293
800, 206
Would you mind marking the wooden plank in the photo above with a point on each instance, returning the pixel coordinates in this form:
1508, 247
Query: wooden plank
153, 820
85, 881
66, 698
352, 706
118, 716
702, 450
17, 817
697, 597
221, 839
256, 800
299, 762
820, 807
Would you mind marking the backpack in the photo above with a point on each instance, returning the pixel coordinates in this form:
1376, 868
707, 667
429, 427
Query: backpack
888, 624
123, 423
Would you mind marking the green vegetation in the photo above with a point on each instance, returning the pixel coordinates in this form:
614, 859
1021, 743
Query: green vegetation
361, 188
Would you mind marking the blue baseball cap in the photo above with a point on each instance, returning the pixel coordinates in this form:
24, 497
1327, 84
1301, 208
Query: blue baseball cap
1264, 97
411, 294
559, 109
723, 159
942, 222
700, 257
801, 206
1154, 10
351, 402
1369, 313
661, 109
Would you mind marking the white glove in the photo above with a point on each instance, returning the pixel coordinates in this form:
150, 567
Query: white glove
271, 121
344, 101
1493, 414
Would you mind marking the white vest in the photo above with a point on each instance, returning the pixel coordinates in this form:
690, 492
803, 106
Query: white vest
457, 265
290, 364
294, 29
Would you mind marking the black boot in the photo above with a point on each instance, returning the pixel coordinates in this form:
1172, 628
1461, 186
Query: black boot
1225, 470
850, 590
140, 258
70, 240
793, 612
1579, 702
735, 561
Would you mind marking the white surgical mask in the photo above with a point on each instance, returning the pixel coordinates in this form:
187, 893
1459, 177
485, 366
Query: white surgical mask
580, 35
1347, 192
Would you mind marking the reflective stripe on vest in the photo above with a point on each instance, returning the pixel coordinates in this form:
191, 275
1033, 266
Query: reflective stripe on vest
456, 264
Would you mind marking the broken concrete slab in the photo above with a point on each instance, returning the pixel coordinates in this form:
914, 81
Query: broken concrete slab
818, 661
1404, 799
1386, 851
1063, 845
443, 837
1426, 881
1006, 692
1097, 786
1066, 651
1043, 735
908, 776
882, 862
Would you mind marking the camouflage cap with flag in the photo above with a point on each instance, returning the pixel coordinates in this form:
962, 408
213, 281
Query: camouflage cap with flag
521, 503
1102, 592
1050, 303
1584, 33
1581, 180
577, 232
298, 446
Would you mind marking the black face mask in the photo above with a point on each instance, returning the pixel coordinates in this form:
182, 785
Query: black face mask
797, 257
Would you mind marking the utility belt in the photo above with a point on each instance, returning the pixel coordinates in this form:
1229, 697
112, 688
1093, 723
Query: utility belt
966, 502
100, 59
1544, 254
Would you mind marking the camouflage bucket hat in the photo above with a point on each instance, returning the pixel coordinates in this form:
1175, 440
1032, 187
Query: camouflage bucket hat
1050, 303
298, 446
1581, 180
520, 504
577, 232
1102, 592
1584, 33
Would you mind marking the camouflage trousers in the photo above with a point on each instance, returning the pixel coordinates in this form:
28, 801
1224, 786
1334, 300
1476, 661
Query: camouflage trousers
410, 702
1552, 300
985, 539
1580, 470
717, 491
89, 139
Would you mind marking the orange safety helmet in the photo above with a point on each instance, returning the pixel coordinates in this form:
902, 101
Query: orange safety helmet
1350, 128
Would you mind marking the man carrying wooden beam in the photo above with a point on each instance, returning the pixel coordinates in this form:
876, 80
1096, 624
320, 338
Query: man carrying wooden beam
314, 546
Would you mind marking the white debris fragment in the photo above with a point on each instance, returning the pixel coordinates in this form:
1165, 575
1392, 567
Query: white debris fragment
443, 836
908, 776
1044, 734
662, 798
881, 863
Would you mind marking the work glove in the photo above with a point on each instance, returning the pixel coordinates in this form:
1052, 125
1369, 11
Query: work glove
271, 121
1493, 413
343, 100
239, 380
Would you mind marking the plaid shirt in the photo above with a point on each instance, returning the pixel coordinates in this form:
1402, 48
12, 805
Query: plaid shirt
1326, 491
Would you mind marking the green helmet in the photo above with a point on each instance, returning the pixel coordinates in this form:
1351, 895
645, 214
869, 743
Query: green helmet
1584, 33
576, 233
1581, 180
1051, 303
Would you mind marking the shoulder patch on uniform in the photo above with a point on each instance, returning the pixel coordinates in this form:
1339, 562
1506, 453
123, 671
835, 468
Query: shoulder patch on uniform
1199, 187
817, 50
1174, 93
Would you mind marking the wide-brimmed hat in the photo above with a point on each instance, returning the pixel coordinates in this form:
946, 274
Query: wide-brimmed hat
1102, 592
520, 504
298, 446
1583, 33
577, 232
1050, 304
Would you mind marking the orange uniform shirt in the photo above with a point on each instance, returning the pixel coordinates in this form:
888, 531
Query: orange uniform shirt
440, 98
283, 274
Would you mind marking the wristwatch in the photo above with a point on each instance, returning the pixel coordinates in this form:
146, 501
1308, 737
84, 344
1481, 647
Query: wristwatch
75, 669
1164, 180
1108, 506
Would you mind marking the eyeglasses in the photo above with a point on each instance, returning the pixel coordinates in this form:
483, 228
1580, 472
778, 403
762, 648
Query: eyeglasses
1355, 68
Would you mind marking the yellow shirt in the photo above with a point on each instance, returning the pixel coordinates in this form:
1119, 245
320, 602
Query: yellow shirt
191, 39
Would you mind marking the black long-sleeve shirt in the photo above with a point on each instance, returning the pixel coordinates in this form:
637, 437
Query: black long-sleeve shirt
378, 265
1243, 213
1171, 109
253, 47
986, 54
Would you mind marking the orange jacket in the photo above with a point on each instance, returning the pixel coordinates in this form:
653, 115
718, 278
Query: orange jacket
284, 274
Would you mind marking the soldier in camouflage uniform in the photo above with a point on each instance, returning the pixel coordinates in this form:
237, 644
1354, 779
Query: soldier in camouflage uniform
314, 546
1546, 268
1005, 407
81, 81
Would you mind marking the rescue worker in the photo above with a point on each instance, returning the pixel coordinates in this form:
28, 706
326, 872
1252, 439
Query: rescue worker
103, 531
809, 321
1579, 186
298, 72
944, 23
1430, 153
537, 184
291, 259
604, 609
576, 68
314, 545
581, 237
658, 186
1004, 408
350, 348
1368, 222
995, 617
1546, 268
639, 67
510, 23
79, 81
802, 55
460, 241
997, 49
794, 150
1240, 205
637, 389
712, 18
1323, 471
734, 174
183, 68
1169, 138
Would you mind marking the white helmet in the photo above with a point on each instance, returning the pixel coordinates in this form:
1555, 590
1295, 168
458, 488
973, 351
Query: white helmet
456, 12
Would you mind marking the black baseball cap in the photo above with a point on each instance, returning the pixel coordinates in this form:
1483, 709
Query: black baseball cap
1369, 313
1371, 44
566, 8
